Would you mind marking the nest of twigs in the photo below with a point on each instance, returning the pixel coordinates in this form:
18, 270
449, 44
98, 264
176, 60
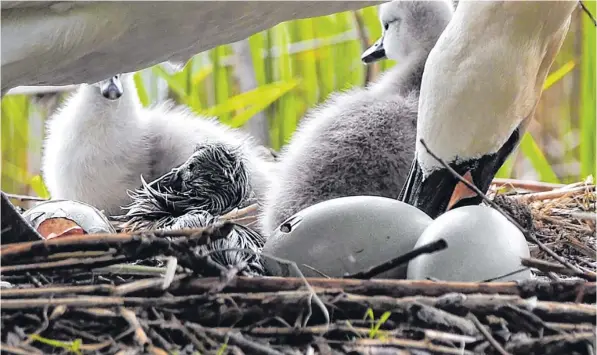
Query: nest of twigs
142, 293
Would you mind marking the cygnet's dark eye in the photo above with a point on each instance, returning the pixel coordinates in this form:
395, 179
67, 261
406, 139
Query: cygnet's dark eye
386, 26
191, 166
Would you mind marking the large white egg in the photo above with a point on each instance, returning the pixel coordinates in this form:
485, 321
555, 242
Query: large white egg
346, 235
482, 244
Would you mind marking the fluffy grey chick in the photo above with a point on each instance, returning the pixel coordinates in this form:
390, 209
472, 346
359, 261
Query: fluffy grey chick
362, 142
96, 146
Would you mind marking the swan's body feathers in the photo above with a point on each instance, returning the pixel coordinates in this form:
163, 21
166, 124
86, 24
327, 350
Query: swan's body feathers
485, 80
481, 85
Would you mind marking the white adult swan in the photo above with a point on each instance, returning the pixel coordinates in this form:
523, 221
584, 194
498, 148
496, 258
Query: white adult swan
480, 88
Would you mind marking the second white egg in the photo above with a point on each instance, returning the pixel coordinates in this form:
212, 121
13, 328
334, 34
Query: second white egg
482, 245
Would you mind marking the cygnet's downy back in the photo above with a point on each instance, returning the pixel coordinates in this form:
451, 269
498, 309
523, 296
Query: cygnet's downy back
362, 142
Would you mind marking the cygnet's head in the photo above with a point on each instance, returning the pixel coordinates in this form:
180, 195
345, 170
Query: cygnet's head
216, 173
114, 87
410, 29
111, 88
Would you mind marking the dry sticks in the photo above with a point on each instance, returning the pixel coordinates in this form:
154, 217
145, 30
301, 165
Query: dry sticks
562, 291
199, 236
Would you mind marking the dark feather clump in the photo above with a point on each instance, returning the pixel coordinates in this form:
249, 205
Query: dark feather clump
215, 179
240, 237
212, 182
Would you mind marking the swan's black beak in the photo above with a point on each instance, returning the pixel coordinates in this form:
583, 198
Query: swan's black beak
440, 191
112, 88
375, 52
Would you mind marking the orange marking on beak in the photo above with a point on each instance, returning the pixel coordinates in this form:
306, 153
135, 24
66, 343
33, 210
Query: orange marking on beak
461, 191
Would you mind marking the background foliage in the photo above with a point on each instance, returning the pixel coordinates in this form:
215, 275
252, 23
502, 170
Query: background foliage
266, 83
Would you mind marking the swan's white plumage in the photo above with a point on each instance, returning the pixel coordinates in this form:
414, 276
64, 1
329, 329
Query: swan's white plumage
485, 75
71, 42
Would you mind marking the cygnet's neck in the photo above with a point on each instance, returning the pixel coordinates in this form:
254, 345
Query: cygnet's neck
404, 77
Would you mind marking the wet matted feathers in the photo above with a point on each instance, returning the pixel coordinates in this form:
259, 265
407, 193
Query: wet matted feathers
240, 237
212, 182
215, 179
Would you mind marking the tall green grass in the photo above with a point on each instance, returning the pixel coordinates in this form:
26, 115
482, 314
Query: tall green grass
588, 99
297, 65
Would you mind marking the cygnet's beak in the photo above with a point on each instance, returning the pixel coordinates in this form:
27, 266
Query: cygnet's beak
375, 52
112, 88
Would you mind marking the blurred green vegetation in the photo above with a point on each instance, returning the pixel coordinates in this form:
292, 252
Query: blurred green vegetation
267, 83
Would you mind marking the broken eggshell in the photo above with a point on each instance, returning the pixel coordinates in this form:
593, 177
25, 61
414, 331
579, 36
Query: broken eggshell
482, 245
346, 235
57, 218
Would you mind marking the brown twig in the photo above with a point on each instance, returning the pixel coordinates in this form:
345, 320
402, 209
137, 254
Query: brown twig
560, 343
584, 8
373, 271
536, 186
145, 284
528, 235
88, 263
56, 290
550, 195
25, 197
262, 305
487, 335
94, 301
375, 346
564, 291
131, 318
235, 338
238, 213
547, 266
18, 351
199, 236
313, 296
